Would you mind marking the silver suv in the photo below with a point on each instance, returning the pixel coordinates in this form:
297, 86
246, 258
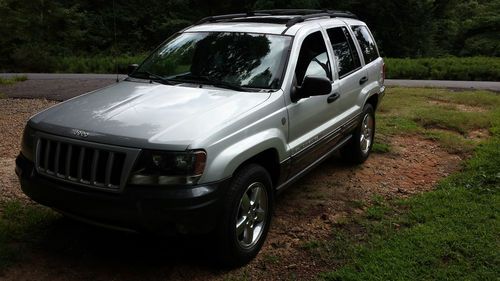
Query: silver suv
217, 121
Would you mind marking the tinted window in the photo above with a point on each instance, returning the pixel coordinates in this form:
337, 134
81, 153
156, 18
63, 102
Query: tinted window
313, 59
346, 55
366, 43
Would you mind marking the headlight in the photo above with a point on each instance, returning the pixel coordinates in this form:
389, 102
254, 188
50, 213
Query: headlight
169, 168
28, 143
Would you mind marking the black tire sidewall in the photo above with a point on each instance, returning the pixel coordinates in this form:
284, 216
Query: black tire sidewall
232, 253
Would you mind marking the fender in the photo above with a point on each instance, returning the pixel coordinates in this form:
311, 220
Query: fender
228, 160
371, 89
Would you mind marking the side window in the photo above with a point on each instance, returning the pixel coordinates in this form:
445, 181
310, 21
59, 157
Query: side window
366, 43
346, 55
313, 58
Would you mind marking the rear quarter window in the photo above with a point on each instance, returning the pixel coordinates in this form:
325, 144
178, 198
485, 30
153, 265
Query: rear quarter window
366, 42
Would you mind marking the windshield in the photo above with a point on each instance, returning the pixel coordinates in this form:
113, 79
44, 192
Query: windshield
240, 60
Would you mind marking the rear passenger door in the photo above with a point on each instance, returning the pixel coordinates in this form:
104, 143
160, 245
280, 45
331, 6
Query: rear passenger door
349, 71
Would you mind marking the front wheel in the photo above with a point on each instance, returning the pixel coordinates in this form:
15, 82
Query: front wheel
247, 216
358, 148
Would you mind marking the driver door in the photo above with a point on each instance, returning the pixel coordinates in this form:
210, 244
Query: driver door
311, 120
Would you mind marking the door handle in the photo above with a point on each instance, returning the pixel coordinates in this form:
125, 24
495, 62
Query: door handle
363, 80
333, 97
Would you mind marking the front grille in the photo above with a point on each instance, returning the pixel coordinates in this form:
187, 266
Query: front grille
83, 163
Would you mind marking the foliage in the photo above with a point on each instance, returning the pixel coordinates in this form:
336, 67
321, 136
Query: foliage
95, 64
34, 32
450, 68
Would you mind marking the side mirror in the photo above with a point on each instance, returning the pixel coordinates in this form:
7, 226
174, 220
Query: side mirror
312, 86
131, 68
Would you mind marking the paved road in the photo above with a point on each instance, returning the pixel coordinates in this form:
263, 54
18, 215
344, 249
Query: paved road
477, 85
62, 86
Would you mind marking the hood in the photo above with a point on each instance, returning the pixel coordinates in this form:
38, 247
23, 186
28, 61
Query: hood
145, 115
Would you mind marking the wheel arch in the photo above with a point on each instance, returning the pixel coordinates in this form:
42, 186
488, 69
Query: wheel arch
266, 148
373, 100
269, 160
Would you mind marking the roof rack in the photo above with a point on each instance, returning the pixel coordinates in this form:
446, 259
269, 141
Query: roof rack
229, 17
318, 14
298, 15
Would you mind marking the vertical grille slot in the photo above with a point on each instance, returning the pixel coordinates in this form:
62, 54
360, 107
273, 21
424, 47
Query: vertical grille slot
67, 165
81, 164
116, 173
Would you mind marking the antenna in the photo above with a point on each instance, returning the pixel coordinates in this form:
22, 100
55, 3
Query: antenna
115, 43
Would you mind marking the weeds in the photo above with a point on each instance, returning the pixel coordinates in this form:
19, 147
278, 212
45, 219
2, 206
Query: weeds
13, 80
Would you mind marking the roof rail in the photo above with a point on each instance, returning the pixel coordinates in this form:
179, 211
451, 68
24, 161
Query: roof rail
291, 12
326, 13
299, 15
230, 16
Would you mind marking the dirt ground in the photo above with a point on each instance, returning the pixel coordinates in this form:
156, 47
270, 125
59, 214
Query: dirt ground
308, 211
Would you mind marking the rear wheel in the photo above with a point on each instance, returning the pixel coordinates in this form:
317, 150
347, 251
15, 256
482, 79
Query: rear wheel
247, 215
358, 148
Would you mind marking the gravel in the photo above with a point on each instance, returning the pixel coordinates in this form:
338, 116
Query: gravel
13, 116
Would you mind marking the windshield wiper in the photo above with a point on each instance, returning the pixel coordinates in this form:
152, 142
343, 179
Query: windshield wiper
207, 80
152, 76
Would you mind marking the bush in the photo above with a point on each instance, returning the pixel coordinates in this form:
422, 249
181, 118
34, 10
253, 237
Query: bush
31, 58
471, 68
96, 64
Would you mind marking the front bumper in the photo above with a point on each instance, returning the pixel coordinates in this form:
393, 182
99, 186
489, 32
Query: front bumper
166, 210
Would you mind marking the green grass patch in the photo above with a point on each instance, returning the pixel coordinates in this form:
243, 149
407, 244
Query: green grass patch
335, 249
450, 141
381, 147
13, 80
438, 114
271, 259
450, 68
20, 224
451, 233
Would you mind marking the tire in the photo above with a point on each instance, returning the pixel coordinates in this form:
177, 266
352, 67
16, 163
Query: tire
249, 203
357, 150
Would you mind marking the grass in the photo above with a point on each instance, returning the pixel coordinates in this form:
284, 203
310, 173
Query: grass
451, 233
451, 68
437, 114
381, 147
13, 80
333, 249
20, 224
